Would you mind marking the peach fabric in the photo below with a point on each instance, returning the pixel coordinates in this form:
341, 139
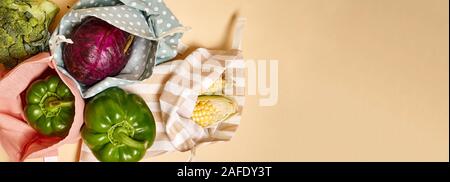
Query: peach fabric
18, 139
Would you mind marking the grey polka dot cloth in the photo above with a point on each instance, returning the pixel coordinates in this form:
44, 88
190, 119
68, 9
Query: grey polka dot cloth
156, 29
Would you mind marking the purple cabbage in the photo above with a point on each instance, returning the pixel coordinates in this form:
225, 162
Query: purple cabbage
99, 50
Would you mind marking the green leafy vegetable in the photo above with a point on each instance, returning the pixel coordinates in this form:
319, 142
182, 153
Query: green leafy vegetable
24, 29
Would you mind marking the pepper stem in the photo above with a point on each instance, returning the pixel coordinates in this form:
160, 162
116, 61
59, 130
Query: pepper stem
123, 138
58, 104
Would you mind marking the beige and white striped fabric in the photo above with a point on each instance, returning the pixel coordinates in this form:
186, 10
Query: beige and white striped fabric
173, 89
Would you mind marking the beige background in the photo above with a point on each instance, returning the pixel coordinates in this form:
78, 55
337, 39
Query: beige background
360, 80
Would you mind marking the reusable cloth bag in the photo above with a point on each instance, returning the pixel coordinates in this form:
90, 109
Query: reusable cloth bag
156, 29
172, 102
19, 140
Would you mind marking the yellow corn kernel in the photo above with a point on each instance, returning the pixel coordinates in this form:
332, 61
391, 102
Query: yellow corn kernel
203, 114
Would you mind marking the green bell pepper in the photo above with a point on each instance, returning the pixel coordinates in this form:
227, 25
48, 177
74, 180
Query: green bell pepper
50, 107
119, 126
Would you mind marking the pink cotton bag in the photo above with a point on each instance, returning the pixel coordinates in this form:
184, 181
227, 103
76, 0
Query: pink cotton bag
19, 140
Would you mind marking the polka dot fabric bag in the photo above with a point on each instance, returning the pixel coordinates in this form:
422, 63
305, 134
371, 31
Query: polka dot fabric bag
157, 32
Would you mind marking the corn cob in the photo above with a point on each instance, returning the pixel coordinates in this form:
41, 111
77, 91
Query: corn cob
210, 110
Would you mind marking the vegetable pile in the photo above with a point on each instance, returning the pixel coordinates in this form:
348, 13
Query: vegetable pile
24, 29
50, 107
118, 126
99, 50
